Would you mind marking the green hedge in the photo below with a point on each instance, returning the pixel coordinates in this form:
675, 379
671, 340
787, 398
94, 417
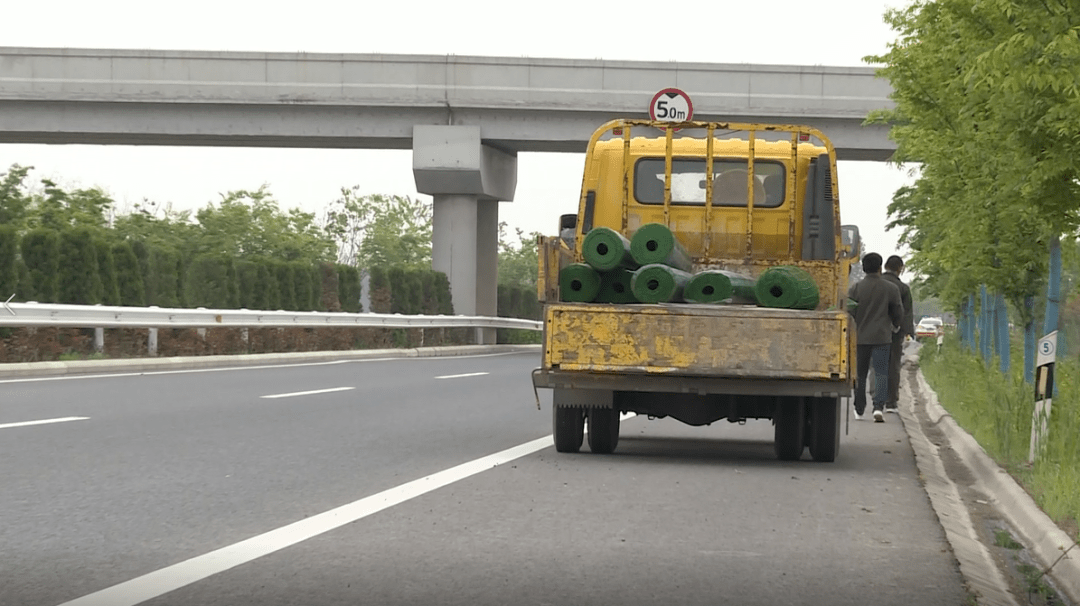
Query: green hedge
129, 277
9, 269
41, 256
79, 278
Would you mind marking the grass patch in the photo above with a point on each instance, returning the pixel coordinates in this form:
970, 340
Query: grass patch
996, 410
1002, 538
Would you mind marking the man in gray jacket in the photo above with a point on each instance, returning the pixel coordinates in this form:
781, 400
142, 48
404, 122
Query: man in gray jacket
894, 266
875, 304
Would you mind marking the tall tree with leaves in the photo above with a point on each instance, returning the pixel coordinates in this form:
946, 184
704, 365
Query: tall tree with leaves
250, 224
988, 103
380, 230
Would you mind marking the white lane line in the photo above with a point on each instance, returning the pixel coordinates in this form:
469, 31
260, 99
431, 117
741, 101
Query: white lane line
468, 374
307, 393
43, 422
160, 582
115, 375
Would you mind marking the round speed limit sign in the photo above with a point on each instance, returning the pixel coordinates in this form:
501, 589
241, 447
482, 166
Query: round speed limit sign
671, 105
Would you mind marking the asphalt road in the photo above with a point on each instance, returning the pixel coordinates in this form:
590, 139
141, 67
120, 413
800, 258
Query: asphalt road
194, 488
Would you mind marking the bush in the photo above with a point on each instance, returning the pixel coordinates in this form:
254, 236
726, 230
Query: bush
9, 270
211, 282
349, 288
79, 279
41, 256
129, 277
110, 286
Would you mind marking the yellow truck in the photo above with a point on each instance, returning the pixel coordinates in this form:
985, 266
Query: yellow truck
738, 197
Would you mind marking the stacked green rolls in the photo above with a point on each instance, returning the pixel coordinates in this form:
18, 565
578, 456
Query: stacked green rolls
606, 249
788, 287
657, 283
616, 287
654, 267
717, 286
654, 243
578, 283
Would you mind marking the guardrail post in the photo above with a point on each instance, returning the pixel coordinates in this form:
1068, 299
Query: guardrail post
99, 340
151, 342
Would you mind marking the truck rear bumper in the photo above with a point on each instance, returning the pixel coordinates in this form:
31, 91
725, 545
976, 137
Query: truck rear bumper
668, 383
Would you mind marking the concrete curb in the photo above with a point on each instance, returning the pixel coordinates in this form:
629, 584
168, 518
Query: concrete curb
1039, 534
977, 565
82, 367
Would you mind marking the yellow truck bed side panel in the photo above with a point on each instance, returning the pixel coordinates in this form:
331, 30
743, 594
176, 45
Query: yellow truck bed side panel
716, 341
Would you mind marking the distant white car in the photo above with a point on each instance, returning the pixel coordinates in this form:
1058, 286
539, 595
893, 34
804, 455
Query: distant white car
929, 328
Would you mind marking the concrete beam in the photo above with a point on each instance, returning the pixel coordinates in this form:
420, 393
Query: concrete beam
452, 160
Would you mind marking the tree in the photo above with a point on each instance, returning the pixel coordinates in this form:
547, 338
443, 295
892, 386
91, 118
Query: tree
80, 281
110, 285
129, 276
518, 263
40, 250
59, 209
380, 230
250, 224
14, 198
988, 103
9, 269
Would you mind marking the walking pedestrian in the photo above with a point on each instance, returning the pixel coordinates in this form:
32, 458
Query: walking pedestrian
875, 304
894, 266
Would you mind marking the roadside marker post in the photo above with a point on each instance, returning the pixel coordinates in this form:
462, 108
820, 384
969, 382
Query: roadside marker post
1044, 391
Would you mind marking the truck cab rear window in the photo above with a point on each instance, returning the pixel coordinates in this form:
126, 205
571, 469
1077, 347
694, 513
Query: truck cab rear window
729, 182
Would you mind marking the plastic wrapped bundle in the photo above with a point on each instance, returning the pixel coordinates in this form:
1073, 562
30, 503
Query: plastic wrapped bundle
657, 283
787, 286
606, 249
716, 286
654, 243
578, 283
616, 287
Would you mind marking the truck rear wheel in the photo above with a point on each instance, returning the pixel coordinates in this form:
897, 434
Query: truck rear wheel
824, 429
568, 425
790, 421
603, 430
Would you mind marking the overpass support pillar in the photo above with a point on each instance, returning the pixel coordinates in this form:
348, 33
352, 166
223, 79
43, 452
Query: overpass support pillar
467, 179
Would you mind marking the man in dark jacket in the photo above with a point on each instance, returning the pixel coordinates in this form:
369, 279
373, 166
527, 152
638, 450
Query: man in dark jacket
875, 304
894, 266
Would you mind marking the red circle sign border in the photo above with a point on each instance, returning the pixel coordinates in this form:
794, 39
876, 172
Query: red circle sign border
680, 92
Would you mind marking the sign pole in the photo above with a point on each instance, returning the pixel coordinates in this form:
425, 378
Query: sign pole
1044, 392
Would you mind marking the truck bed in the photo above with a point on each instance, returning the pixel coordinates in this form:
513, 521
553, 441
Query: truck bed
698, 348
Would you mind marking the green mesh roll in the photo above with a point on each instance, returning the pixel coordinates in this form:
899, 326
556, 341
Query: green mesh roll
715, 286
787, 286
654, 243
616, 287
606, 249
578, 283
658, 283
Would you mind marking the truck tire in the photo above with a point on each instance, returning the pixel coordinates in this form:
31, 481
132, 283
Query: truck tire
824, 438
790, 421
603, 430
568, 425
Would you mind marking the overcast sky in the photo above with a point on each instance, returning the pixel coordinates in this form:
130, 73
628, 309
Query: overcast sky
828, 32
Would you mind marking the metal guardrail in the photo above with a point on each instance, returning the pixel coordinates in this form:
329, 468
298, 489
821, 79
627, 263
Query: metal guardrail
104, 316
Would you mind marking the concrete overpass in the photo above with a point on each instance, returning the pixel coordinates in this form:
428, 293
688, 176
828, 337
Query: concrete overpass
465, 118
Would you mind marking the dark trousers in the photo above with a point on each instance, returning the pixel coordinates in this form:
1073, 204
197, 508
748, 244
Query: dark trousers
896, 355
878, 355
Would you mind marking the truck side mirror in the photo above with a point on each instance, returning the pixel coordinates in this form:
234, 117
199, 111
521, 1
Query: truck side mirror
852, 243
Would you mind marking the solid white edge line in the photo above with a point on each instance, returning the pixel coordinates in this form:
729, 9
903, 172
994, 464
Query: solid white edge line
306, 393
461, 376
43, 422
160, 582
